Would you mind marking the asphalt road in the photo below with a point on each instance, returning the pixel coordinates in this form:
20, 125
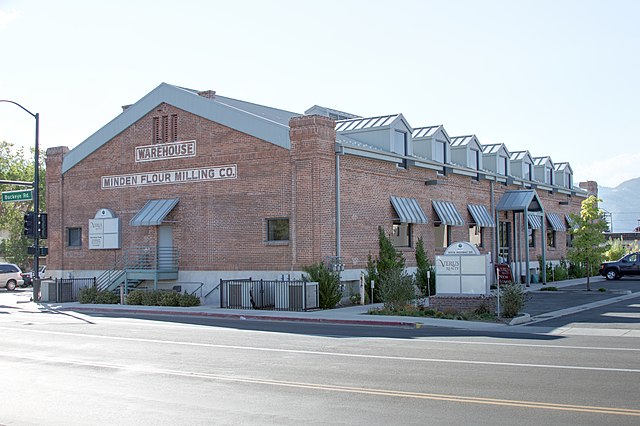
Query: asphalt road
73, 369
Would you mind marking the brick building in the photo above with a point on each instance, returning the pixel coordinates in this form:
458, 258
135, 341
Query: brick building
210, 187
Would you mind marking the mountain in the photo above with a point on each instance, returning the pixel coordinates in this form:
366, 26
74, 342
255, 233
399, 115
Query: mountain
623, 202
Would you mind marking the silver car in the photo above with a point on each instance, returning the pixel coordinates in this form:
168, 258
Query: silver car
10, 276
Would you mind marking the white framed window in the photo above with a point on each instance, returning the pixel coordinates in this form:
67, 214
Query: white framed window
474, 159
401, 234
439, 152
400, 146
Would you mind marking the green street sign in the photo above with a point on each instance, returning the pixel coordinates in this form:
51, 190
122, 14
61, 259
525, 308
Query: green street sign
22, 195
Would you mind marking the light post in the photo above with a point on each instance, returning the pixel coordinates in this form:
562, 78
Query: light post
36, 203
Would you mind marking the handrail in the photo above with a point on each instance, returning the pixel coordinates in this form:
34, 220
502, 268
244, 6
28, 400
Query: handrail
212, 290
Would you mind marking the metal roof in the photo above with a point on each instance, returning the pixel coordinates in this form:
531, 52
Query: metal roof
535, 221
425, 132
556, 223
462, 140
563, 167
519, 200
330, 112
447, 213
572, 223
494, 148
365, 123
408, 210
539, 161
520, 155
481, 216
154, 212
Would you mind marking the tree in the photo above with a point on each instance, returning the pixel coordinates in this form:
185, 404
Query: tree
424, 268
588, 238
16, 165
388, 262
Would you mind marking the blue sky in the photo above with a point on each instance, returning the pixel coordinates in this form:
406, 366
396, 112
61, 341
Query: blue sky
558, 78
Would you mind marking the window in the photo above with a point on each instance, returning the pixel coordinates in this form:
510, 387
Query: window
502, 165
550, 175
439, 152
401, 234
569, 238
527, 171
474, 159
569, 183
400, 146
443, 236
531, 234
475, 236
74, 237
174, 127
278, 229
551, 237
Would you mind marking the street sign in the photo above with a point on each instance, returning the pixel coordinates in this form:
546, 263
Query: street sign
22, 195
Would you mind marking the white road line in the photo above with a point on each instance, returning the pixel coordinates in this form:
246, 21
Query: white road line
333, 354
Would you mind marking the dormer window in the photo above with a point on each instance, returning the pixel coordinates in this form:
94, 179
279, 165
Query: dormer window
439, 152
569, 182
400, 146
550, 175
474, 159
502, 165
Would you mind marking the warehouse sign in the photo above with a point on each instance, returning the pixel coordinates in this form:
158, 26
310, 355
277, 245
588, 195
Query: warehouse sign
165, 151
165, 177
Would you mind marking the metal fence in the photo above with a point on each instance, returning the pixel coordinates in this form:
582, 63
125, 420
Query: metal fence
67, 289
270, 295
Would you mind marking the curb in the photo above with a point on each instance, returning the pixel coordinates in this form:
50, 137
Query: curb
522, 319
247, 317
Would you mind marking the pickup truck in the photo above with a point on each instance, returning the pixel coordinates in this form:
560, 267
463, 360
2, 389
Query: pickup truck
627, 265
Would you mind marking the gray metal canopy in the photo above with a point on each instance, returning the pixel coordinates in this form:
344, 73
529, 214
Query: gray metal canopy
154, 212
447, 213
556, 223
481, 216
408, 210
520, 200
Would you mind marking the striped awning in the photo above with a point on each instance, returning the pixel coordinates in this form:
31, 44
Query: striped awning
447, 213
154, 212
570, 222
535, 221
481, 216
556, 223
408, 210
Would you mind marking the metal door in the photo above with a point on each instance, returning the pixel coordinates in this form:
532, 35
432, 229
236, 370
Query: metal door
165, 248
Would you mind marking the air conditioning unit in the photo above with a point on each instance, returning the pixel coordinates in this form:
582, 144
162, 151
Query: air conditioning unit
292, 296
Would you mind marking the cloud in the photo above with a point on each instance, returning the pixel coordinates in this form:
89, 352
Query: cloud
8, 16
610, 172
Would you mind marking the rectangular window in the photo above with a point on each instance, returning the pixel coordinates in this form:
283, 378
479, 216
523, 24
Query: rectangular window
502, 165
569, 238
475, 235
400, 146
569, 182
443, 235
439, 152
473, 159
74, 237
401, 234
156, 130
526, 171
551, 237
550, 175
532, 237
278, 229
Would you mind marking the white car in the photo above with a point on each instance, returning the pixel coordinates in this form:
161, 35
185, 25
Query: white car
10, 276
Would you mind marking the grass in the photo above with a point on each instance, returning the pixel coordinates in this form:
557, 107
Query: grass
551, 288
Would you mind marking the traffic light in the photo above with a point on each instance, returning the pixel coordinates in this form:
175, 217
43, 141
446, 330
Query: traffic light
28, 224
42, 226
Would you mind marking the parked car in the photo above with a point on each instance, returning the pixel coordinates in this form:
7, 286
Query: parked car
627, 265
10, 276
28, 276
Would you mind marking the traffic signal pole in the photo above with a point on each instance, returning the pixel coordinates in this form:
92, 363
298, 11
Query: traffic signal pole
36, 203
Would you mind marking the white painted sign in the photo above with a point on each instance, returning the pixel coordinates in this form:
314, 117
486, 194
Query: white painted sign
462, 247
165, 151
462, 270
166, 177
104, 231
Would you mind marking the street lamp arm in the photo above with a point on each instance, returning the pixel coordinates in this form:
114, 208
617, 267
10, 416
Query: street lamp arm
15, 103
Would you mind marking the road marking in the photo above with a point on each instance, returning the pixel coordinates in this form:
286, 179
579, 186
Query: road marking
349, 389
334, 354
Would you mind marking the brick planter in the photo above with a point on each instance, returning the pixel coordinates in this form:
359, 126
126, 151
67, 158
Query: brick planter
462, 303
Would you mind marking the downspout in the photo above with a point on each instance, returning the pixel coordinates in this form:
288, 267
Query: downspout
338, 151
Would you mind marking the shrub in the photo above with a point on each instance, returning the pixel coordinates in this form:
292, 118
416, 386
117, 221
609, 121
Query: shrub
169, 298
189, 300
162, 298
88, 295
427, 286
512, 300
107, 297
396, 289
561, 271
616, 250
550, 288
602, 289
135, 297
328, 282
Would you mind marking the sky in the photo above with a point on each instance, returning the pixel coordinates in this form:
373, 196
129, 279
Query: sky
559, 78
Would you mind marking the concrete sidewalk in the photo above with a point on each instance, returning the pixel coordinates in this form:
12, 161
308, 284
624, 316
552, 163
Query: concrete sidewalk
560, 303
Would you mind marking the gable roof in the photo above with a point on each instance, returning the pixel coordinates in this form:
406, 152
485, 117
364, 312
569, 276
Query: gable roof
563, 167
495, 148
268, 124
330, 112
520, 155
541, 161
519, 200
429, 131
464, 141
368, 123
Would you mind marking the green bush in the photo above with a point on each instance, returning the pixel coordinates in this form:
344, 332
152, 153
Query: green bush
396, 289
328, 282
550, 288
512, 300
162, 298
616, 250
92, 295
427, 286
